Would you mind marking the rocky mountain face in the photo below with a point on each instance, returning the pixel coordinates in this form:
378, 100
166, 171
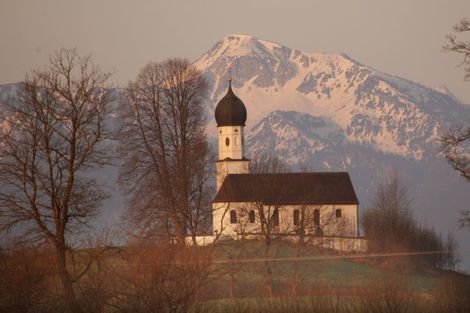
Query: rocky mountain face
391, 114
328, 112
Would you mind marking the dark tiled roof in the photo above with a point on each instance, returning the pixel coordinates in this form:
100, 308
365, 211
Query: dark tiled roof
288, 188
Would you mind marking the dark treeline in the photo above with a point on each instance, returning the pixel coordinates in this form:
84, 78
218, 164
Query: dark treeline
390, 227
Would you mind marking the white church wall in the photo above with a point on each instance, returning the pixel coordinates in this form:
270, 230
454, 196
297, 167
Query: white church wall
342, 244
328, 225
221, 219
200, 240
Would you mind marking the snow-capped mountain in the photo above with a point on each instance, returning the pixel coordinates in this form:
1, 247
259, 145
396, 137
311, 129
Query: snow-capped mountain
392, 114
294, 136
328, 112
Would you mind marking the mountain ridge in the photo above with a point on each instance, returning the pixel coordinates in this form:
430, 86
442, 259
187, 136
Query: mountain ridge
366, 103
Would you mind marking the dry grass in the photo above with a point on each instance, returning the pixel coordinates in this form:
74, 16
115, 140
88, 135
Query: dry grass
179, 280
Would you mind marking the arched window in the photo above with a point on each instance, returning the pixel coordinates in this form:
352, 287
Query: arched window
316, 217
227, 142
252, 216
338, 213
296, 217
276, 217
233, 217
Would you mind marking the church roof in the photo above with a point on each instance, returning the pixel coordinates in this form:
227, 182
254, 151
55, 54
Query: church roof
288, 188
230, 111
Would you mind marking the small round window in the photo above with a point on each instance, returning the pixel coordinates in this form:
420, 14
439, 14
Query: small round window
227, 142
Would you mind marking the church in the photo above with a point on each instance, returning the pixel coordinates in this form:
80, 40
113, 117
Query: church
310, 205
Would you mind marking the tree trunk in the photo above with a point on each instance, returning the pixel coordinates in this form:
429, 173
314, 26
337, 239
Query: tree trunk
180, 231
194, 239
269, 280
67, 283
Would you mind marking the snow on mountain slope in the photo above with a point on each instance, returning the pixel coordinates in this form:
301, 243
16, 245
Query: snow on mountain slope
293, 136
392, 114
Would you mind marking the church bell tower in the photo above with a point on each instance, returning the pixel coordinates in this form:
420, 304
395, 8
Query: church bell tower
230, 115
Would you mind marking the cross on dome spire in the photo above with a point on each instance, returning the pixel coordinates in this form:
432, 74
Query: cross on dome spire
230, 110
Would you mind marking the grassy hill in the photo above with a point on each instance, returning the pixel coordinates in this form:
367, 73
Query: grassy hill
286, 278
294, 270
232, 276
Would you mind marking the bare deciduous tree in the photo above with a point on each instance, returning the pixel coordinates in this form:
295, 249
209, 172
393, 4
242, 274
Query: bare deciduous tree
267, 212
459, 46
51, 138
389, 220
167, 160
264, 211
304, 223
162, 279
390, 226
454, 144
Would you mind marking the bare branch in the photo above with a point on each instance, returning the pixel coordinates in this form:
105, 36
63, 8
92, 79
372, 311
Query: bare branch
52, 139
167, 158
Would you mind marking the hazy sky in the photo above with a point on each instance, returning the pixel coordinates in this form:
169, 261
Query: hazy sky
401, 37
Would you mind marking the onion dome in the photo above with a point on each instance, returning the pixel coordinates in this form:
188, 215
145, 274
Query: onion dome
230, 111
